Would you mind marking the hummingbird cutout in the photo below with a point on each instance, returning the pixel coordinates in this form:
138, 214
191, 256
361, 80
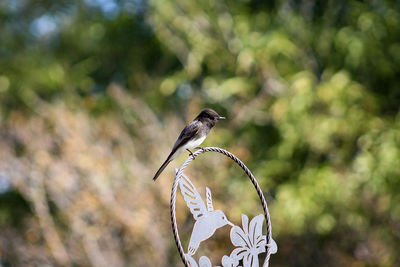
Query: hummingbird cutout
207, 219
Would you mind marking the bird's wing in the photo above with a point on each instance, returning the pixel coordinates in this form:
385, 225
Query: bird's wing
210, 206
187, 133
192, 197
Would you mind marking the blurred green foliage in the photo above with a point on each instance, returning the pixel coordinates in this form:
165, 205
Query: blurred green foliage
94, 92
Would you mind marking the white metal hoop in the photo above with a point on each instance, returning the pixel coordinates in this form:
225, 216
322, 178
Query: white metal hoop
251, 177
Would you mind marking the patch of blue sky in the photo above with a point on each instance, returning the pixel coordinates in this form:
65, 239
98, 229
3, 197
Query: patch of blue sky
43, 26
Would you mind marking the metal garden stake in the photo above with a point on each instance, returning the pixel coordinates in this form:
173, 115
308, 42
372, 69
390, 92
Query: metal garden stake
248, 238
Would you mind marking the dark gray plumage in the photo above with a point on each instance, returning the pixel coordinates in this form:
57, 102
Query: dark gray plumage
192, 135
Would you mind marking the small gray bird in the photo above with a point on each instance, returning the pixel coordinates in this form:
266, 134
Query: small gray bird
192, 135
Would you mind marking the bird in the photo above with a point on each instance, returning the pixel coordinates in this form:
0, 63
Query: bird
192, 135
207, 219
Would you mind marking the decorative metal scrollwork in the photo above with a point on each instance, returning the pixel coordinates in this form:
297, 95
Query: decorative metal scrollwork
248, 239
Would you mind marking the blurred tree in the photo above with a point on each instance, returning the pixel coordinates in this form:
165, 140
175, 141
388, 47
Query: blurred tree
311, 90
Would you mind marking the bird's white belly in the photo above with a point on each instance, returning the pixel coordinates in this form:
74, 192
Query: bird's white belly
189, 145
194, 143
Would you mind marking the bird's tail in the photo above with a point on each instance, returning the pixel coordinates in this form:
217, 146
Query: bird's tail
166, 162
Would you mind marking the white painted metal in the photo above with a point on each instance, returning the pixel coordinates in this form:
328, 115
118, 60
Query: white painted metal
248, 240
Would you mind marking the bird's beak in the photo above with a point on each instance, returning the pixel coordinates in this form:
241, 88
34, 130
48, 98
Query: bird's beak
231, 224
221, 118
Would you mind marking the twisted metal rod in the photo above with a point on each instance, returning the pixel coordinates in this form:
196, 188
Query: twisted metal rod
248, 173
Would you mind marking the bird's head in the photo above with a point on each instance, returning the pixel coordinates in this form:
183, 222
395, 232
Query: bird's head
220, 218
210, 116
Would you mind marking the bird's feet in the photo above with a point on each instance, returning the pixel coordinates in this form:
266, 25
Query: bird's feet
190, 153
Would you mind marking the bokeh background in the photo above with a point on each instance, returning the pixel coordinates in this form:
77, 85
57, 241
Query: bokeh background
93, 93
